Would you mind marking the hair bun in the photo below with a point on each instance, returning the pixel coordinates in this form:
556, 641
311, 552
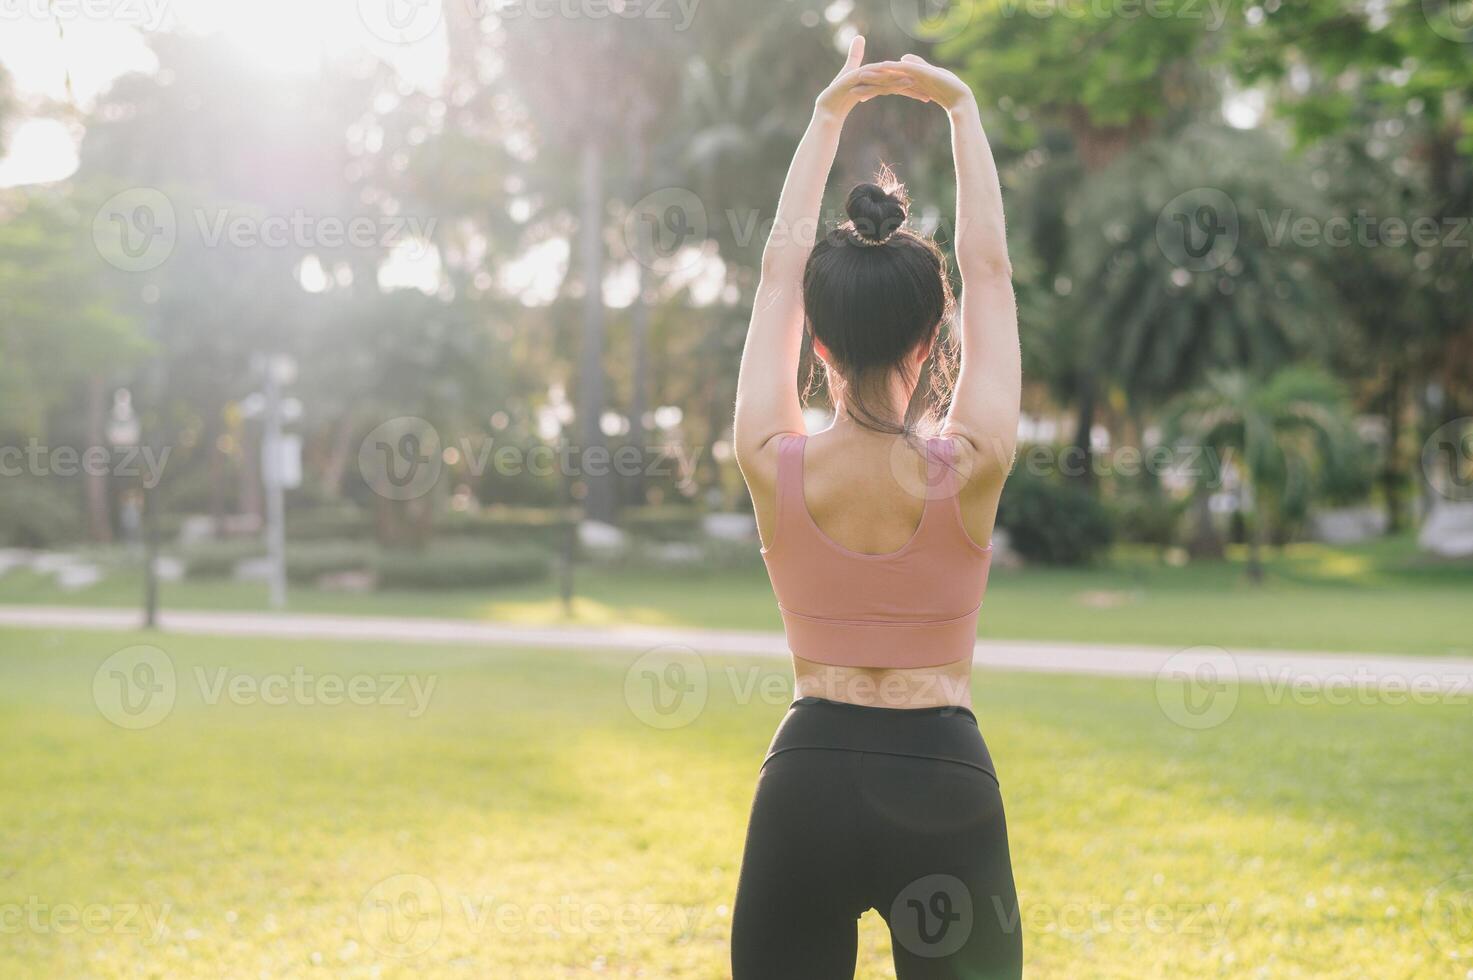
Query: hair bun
875, 213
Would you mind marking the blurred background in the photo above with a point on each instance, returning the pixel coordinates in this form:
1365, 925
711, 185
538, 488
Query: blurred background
410, 308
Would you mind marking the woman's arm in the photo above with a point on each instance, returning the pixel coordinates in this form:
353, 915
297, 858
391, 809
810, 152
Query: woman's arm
984, 409
767, 403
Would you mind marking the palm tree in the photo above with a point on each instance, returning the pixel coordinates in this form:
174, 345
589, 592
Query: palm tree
1150, 320
1285, 432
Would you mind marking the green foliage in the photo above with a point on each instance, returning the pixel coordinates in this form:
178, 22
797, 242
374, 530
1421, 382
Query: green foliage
217, 559
1147, 517
35, 513
462, 565
1089, 63
1052, 522
1146, 315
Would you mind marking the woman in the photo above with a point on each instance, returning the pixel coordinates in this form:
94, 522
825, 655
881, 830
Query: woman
878, 791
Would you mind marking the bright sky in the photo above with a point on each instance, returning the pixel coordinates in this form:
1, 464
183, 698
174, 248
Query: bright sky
42, 42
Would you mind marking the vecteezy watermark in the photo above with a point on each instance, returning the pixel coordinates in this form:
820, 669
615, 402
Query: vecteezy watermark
135, 687
679, 13
400, 459
933, 20
138, 229
37, 916
667, 687
1447, 460
1212, 13
660, 227
1362, 229
1447, 916
401, 915
1206, 920
1451, 19
404, 915
1197, 688
670, 686
932, 916
403, 458
130, 462
144, 15
412, 21
138, 686
1198, 229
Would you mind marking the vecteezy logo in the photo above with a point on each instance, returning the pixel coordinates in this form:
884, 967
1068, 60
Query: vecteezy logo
662, 224
932, 20
932, 916
135, 687
400, 21
1198, 687
1451, 19
135, 230
401, 459
1447, 460
402, 915
667, 687
1198, 229
1447, 916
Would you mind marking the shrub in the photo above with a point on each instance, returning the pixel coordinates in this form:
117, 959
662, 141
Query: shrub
35, 513
542, 528
309, 562
663, 523
217, 559
1147, 518
338, 523
1051, 522
305, 563
462, 565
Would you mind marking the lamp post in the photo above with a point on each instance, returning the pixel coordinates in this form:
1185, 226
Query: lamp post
280, 461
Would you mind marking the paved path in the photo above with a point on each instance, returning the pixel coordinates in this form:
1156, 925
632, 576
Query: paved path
1276, 667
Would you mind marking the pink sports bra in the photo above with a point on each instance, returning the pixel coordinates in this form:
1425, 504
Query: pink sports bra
916, 607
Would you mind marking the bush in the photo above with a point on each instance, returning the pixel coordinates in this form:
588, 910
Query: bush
1051, 522
340, 523
541, 528
35, 513
217, 559
305, 563
663, 523
462, 565
1147, 518
309, 562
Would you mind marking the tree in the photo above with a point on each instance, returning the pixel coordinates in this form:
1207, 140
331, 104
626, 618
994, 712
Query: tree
1284, 432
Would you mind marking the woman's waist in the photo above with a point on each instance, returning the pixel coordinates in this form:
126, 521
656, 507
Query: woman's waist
946, 732
944, 685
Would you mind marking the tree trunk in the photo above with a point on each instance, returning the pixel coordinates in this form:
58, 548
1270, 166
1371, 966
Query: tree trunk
1256, 533
1255, 550
599, 502
1080, 455
1392, 477
639, 328
99, 522
1205, 543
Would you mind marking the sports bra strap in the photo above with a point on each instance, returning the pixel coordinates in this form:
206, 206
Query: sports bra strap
790, 502
942, 479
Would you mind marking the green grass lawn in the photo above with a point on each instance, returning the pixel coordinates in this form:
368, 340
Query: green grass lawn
523, 820
1380, 597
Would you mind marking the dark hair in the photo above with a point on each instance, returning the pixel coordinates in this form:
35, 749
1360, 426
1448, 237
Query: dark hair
873, 292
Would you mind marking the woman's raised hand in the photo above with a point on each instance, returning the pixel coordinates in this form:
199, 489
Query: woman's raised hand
933, 84
858, 82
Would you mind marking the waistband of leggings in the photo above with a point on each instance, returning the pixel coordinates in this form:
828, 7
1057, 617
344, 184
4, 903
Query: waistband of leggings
947, 733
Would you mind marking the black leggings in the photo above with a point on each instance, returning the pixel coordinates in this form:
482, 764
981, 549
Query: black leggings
892, 809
